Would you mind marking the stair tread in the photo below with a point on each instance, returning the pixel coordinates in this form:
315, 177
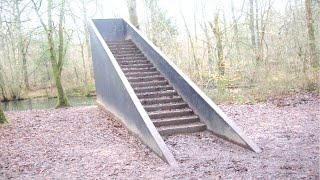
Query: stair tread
139, 68
179, 126
170, 111
141, 74
177, 118
153, 87
134, 62
166, 104
149, 77
162, 98
136, 65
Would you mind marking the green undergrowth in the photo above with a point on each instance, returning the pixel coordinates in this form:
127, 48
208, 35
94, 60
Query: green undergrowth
261, 85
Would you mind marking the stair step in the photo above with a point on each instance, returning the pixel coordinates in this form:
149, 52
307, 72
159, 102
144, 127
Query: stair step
145, 61
170, 113
152, 89
175, 121
146, 79
120, 59
124, 48
150, 83
126, 51
121, 46
148, 65
119, 42
126, 70
142, 74
161, 100
169, 93
112, 44
167, 106
128, 55
183, 128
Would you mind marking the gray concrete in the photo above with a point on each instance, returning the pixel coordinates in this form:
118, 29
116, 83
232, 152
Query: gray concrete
114, 93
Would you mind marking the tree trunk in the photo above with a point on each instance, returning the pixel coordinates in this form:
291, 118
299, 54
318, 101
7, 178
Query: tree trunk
192, 45
132, 8
56, 62
311, 37
62, 98
22, 47
251, 25
236, 31
218, 34
2, 117
258, 44
87, 48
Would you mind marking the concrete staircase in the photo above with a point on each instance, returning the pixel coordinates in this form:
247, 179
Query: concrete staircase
167, 110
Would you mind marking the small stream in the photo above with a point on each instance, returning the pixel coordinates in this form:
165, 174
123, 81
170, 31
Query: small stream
44, 103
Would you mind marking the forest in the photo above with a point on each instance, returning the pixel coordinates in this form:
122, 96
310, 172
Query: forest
147, 76
236, 51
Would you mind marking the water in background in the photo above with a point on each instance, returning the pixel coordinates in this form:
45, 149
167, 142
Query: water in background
45, 103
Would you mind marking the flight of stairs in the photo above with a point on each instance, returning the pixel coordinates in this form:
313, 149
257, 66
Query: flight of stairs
167, 110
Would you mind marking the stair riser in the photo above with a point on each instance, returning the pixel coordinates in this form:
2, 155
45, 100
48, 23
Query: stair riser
146, 79
122, 59
170, 114
143, 74
169, 132
157, 94
133, 62
128, 56
125, 45
125, 51
175, 122
137, 66
147, 84
166, 107
159, 101
122, 48
141, 70
155, 89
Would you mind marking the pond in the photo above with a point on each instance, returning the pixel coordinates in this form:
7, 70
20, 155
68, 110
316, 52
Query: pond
45, 103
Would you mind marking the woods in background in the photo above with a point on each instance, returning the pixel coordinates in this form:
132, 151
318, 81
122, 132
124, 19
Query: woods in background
233, 50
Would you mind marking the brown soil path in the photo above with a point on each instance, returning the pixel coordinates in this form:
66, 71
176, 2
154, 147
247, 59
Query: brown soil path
84, 143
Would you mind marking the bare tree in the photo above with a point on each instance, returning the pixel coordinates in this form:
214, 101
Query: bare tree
218, 34
132, 9
235, 30
311, 37
2, 117
56, 59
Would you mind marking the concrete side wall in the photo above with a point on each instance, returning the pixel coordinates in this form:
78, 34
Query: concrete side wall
217, 122
114, 93
111, 29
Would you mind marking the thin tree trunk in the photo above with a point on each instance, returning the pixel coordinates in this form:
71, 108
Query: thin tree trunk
132, 8
2, 117
311, 37
235, 30
218, 34
85, 30
21, 46
251, 25
62, 98
192, 45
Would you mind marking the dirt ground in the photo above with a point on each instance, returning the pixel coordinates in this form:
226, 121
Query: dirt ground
85, 143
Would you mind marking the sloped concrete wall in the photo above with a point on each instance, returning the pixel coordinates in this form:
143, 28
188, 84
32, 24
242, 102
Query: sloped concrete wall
114, 93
